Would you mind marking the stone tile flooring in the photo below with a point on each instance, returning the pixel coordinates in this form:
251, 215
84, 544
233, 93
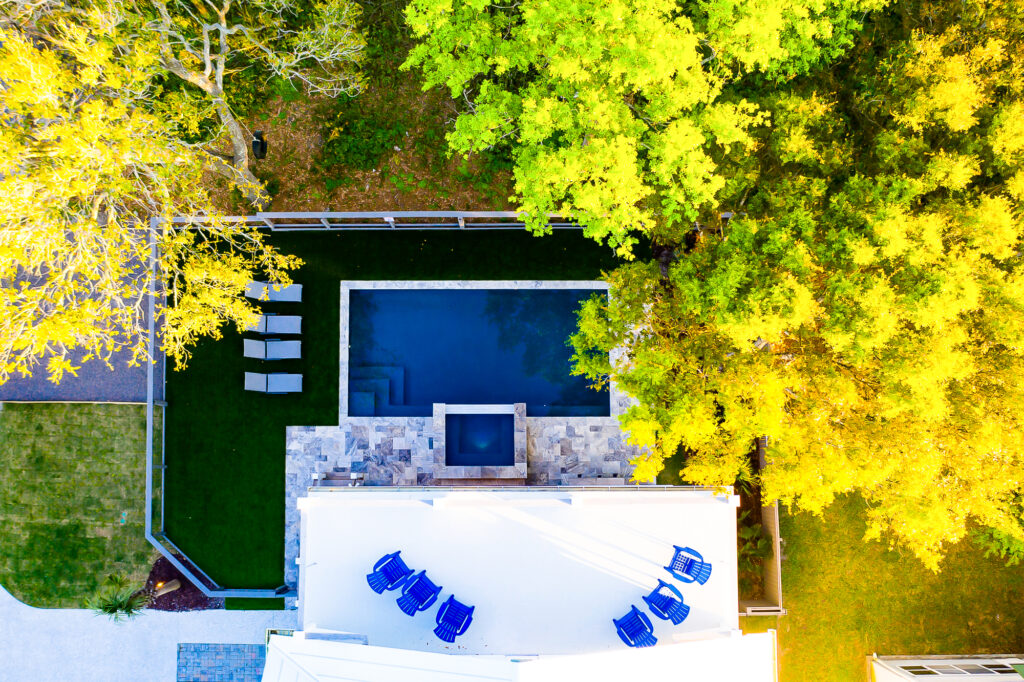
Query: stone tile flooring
221, 662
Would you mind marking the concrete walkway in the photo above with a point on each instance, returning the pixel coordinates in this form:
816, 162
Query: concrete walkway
72, 645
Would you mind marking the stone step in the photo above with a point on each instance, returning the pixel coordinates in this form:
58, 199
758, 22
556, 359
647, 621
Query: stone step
471, 482
569, 479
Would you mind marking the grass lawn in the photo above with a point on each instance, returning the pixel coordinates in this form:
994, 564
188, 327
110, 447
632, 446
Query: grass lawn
848, 598
72, 499
224, 502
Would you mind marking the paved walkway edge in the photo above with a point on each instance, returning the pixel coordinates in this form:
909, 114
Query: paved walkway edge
75, 644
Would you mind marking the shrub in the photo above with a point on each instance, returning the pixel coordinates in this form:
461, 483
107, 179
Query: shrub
356, 140
752, 547
118, 600
270, 181
1001, 544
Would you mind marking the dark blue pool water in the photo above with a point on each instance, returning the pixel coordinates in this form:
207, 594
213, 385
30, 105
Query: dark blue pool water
411, 348
479, 440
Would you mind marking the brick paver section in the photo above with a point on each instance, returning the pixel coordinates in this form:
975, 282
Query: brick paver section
221, 662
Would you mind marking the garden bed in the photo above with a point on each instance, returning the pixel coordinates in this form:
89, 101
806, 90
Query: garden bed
188, 597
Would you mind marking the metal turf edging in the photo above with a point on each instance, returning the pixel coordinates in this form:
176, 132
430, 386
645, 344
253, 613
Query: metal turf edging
159, 540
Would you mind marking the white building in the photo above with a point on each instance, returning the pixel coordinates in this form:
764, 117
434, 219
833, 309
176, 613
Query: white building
980, 667
546, 570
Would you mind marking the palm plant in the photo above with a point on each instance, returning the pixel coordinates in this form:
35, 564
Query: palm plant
118, 599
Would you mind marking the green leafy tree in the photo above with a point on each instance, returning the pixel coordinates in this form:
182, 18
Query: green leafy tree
864, 307
616, 113
1007, 546
609, 110
780, 38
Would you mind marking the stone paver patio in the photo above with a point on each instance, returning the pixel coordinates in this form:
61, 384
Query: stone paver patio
406, 451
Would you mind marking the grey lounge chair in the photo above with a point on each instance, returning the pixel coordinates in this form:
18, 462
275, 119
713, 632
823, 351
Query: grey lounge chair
265, 292
273, 383
278, 324
272, 349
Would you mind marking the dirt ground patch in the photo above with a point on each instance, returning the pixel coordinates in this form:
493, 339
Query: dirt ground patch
415, 175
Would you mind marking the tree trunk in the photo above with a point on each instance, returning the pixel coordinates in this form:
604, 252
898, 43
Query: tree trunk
235, 167
237, 170
248, 184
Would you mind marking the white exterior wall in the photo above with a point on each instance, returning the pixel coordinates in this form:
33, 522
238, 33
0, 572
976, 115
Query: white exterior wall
732, 658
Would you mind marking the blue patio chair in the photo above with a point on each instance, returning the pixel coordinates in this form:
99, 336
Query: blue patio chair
453, 619
388, 573
667, 606
688, 566
635, 629
418, 594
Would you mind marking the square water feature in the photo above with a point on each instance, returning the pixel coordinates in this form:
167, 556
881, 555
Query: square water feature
479, 440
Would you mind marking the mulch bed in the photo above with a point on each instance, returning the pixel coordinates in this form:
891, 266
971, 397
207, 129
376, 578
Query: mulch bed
188, 597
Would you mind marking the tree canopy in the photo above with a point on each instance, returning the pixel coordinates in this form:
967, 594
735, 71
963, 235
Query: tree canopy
615, 112
864, 306
94, 166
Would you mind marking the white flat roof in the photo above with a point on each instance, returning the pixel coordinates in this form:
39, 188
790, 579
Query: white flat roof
547, 570
750, 658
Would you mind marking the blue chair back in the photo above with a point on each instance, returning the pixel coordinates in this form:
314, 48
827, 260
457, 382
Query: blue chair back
667, 606
389, 573
635, 629
419, 594
688, 566
453, 619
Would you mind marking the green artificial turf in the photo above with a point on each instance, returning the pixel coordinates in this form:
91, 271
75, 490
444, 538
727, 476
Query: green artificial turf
224, 504
240, 604
847, 598
72, 499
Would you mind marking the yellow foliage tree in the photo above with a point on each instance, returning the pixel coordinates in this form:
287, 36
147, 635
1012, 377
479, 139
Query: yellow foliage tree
90, 181
864, 307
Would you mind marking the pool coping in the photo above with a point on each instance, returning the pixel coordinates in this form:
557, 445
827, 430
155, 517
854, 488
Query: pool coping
459, 471
617, 401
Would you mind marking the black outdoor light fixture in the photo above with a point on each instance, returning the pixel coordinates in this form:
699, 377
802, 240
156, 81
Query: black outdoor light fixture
259, 145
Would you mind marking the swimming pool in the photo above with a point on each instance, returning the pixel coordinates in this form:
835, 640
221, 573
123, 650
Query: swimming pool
411, 348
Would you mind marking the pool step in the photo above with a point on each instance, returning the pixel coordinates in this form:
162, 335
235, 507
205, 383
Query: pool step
379, 387
394, 376
361, 404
